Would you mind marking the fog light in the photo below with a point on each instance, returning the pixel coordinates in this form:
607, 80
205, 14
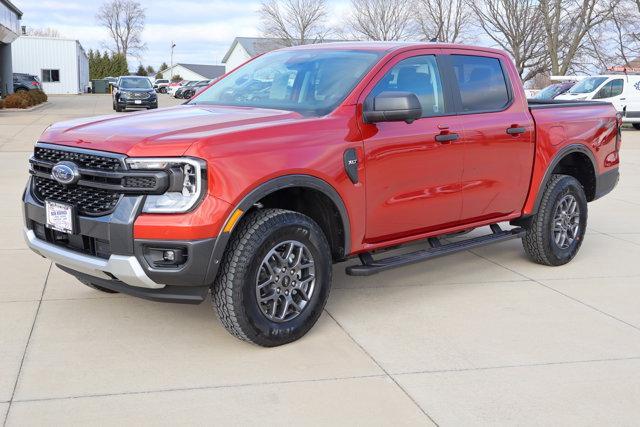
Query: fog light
169, 256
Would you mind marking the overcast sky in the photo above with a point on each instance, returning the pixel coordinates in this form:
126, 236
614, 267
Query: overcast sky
202, 30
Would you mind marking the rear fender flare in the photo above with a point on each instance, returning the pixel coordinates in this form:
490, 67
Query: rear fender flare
561, 154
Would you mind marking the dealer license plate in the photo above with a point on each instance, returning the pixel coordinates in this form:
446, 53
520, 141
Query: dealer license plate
137, 101
60, 216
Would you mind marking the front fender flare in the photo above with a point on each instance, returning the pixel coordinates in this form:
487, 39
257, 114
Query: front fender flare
266, 188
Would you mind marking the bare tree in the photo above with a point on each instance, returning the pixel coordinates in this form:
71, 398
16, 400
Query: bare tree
381, 19
295, 22
614, 43
42, 32
567, 25
124, 19
516, 26
444, 20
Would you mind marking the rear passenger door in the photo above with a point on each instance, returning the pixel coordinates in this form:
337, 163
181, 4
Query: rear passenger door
497, 132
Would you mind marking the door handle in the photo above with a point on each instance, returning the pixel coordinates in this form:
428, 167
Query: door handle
447, 137
516, 130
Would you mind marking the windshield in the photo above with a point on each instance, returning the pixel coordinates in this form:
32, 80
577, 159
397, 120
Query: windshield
135, 84
311, 82
587, 85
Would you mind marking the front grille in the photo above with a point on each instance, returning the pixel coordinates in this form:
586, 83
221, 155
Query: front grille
138, 95
83, 160
88, 201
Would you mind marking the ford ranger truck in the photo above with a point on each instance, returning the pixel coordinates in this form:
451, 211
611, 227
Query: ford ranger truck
309, 156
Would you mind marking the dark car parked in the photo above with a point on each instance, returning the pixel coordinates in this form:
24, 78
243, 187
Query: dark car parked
23, 82
180, 91
134, 92
553, 90
190, 91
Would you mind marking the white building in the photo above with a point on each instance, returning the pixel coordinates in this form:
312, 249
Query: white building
194, 71
61, 64
10, 17
244, 48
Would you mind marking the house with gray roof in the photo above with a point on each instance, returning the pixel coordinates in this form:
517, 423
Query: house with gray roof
194, 71
244, 48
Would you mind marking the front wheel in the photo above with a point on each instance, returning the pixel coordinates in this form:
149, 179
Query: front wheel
275, 278
555, 233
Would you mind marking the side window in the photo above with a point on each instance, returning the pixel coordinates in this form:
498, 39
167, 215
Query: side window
419, 75
482, 83
50, 76
611, 89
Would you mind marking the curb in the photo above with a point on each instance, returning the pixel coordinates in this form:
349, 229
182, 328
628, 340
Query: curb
23, 110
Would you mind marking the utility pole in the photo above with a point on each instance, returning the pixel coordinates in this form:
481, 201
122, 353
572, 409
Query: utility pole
173, 44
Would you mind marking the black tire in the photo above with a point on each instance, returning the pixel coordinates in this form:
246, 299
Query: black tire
234, 291
119, 109
636, 126
539, 242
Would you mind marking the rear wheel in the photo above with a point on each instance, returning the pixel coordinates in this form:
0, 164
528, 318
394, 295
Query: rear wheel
636, 126
556, 232
275, 278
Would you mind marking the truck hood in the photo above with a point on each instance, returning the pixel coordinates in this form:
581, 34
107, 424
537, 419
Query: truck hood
165, 132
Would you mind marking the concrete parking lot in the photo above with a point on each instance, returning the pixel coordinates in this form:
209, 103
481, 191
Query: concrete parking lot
480, 337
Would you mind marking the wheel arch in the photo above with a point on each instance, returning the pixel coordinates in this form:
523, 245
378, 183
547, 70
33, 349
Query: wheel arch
575, 160
266, 192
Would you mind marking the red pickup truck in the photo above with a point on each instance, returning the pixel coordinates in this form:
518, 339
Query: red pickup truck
308, 156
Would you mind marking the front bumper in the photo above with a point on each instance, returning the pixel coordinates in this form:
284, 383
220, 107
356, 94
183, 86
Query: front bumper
104, 252
144, 103
126, 269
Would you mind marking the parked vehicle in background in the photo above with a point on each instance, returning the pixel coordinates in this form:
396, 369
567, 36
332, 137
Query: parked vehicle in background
622, 90
189, 92
23, 82
553, 90
173, 86
180, 91
134, 92
309, 155
160, 85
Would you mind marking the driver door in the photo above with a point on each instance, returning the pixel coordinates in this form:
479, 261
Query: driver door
413, 181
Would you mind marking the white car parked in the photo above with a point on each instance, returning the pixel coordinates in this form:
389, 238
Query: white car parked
622, 90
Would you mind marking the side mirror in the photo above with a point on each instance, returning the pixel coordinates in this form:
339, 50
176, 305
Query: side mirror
392, 107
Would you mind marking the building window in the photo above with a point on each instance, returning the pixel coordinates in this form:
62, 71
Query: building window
50, 76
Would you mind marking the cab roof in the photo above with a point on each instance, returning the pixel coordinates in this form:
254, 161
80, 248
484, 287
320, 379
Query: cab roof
389, 46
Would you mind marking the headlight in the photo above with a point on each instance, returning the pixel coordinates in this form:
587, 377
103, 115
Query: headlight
186, 183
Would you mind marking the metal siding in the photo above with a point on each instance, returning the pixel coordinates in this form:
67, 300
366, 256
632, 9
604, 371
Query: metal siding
33, 54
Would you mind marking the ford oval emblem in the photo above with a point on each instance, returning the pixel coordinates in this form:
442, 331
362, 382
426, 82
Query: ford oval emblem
65, 173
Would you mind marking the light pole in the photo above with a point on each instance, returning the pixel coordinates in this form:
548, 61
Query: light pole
173, 44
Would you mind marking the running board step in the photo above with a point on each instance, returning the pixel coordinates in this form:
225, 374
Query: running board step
370, 266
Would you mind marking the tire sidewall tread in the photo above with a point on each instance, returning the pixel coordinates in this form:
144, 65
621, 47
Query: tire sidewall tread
234, 289
537, 242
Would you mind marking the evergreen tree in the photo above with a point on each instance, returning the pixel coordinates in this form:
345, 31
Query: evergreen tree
163, 67
141, 71
118, 65
176, 78
150, 70
92, 64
